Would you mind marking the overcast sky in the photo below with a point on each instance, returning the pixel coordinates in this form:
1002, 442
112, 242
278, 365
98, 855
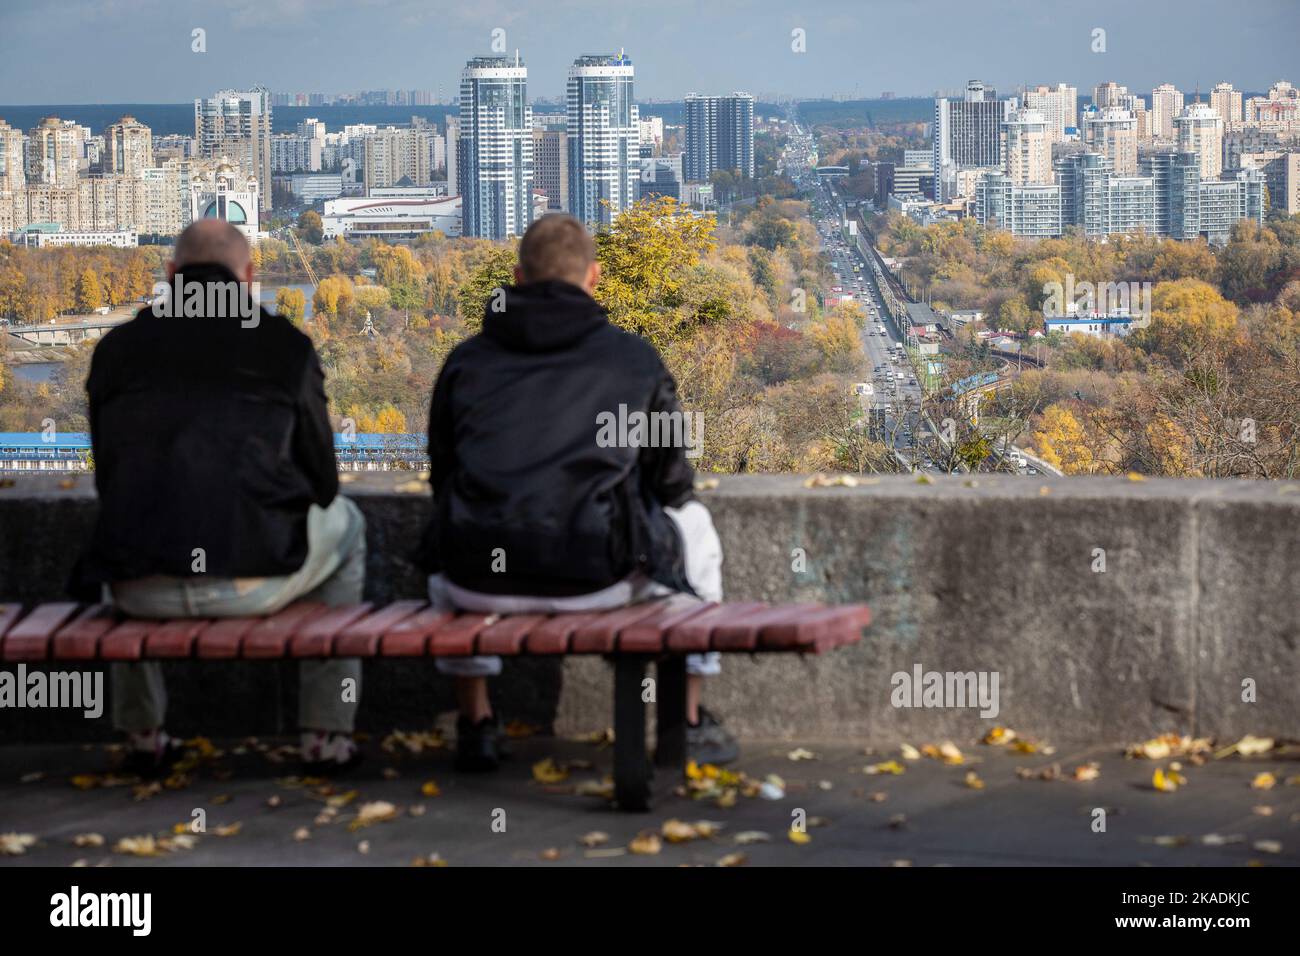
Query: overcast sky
139, 51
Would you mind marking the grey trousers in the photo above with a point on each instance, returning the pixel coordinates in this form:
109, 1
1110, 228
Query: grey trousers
334, 573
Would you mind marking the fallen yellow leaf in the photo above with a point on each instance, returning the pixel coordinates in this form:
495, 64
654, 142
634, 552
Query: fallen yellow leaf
646, 844
548, 771
1263, 781
377, 811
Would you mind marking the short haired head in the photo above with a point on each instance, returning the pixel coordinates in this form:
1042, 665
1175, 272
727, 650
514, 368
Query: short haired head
213, 242
558, 246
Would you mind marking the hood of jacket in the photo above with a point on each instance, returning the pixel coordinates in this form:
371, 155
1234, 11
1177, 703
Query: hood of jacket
543, 316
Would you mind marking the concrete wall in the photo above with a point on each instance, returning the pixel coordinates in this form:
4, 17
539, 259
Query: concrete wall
1201, 591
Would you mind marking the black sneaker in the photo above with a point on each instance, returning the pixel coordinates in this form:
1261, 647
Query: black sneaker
154, 763
330, 768
709, 742
477, 750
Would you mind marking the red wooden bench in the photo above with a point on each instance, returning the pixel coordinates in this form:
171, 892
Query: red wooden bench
660, 631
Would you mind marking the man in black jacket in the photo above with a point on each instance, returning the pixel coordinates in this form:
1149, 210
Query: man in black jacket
558, 459
218, 485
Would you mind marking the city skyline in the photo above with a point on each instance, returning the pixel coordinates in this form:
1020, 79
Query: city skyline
286, 45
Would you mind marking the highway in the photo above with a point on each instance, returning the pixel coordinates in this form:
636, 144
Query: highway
899, 399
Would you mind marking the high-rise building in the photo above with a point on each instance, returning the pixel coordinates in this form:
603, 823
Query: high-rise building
1176, 177
453, 169
1110, 93
719, 135
1031, 210
1059, 106
1199, 129
1281, 171
1112, 131
235, 125
1279, 110
1166, 103
551, 165
604, 131
128, 147
967, 133
393, 153
494, 161
652, 133
1028, 154
1226, 101
13, 176
55, 150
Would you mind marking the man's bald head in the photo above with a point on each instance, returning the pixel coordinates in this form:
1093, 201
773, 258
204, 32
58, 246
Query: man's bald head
213, 241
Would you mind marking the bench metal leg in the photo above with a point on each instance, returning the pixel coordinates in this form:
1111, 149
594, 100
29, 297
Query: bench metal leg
633, 775
670, 714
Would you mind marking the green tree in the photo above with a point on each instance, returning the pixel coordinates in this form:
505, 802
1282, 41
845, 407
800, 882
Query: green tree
495, 273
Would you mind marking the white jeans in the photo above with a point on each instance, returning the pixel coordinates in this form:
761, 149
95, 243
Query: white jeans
701, 549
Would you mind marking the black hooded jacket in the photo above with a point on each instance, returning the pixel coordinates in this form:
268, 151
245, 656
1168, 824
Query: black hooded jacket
527, 500
207, 435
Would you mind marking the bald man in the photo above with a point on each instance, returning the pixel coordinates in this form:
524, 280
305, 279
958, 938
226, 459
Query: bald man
218, 486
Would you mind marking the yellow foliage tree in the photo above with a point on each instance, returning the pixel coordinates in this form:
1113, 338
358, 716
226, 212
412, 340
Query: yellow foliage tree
1062, 443
1188, 316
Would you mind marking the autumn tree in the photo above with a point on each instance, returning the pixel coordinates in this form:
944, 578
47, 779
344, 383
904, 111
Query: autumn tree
90, 292
292, 304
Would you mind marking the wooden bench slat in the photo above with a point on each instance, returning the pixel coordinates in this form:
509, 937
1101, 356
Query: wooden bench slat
601, 635
78, 640
553, 636
30, 638
695, 635
741, 633
361, 638
269, 637
456, 637
175, 638
317, 637
507, 635
677, 624
223, 638
817, 630
648, 635
125, 642
410, 637
9, 613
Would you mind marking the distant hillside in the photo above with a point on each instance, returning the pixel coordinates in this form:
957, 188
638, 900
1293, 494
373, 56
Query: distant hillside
867, 112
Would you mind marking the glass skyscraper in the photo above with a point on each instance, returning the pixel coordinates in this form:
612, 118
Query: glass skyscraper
603, 137
494, 148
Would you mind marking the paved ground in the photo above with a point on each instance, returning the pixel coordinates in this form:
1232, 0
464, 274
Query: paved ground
928, 815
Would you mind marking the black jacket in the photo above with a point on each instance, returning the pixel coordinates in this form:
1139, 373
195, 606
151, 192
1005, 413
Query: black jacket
517, 472
210, 435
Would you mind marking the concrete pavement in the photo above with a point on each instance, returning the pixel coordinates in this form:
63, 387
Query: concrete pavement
927, 816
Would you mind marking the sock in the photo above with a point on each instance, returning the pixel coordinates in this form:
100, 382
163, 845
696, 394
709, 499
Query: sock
150, 741
320, 745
